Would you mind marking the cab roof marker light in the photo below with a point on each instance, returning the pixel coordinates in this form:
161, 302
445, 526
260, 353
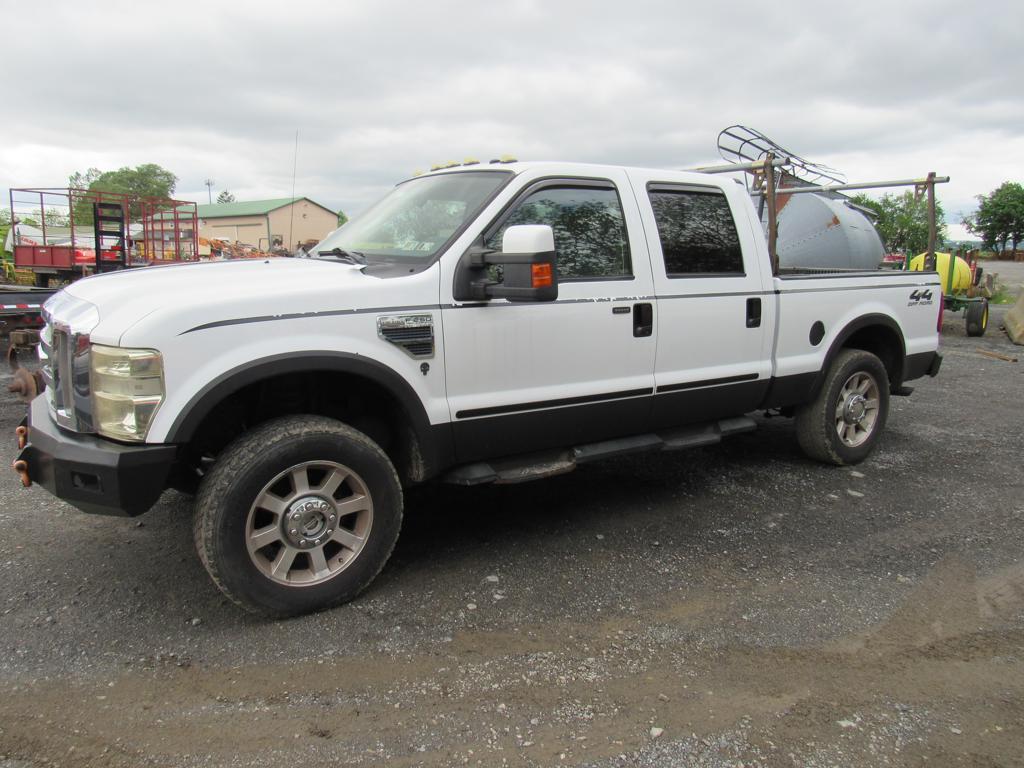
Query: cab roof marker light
468, 161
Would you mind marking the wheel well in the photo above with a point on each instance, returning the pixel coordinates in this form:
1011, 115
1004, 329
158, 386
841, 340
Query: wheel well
885, 344
353, 399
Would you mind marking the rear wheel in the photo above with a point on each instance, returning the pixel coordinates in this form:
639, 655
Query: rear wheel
977, 318
298, 515
843, 423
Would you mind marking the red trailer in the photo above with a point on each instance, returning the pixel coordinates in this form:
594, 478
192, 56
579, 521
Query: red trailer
65, 233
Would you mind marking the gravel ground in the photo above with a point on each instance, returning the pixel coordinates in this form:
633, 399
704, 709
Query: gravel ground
734, 605
1010, 273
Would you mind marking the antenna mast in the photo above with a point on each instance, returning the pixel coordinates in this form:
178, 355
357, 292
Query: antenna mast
295, 165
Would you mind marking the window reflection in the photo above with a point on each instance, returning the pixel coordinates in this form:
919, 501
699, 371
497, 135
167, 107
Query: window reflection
590, 232
697, 232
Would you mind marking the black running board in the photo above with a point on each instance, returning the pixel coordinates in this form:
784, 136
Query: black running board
535, 466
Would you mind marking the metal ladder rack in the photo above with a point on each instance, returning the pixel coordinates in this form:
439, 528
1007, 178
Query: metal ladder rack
105, 214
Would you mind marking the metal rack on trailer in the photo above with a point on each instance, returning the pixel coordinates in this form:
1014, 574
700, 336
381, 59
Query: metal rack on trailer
62, 234
66, 233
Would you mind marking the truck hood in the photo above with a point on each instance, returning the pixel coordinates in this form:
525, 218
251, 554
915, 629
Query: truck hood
179, 296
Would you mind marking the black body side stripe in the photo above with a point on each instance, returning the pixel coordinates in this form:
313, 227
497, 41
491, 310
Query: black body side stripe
473, 305
605, 300
513, 408
308, 315
707, 383
596, 300
712, 295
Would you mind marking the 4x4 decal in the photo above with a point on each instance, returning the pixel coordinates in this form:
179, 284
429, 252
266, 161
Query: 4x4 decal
920, 298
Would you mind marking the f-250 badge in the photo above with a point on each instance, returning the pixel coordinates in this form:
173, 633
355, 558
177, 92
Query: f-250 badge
920, 298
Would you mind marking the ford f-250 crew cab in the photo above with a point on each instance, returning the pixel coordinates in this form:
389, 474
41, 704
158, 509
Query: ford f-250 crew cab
479, 324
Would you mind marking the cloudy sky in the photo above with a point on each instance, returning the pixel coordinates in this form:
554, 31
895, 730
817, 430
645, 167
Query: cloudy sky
379, 89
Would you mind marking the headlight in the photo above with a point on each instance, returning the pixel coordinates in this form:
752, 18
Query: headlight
127, 388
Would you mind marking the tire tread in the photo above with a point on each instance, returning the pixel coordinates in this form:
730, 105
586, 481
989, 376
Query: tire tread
812, 426
243, 453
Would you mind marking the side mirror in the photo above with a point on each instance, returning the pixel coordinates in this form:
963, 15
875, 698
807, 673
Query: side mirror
529, 265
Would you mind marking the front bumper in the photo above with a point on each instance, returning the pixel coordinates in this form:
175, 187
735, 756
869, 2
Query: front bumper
96, 475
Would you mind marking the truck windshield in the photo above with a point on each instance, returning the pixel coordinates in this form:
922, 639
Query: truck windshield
414, 220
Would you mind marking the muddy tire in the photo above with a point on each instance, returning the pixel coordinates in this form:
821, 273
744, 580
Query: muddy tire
845, 420
298, 515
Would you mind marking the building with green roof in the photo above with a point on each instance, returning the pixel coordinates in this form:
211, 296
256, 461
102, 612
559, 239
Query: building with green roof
283, 221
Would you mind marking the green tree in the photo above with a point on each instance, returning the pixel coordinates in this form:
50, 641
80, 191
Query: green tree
342, 218
225, 197
902, 220
54, 217
146, 180
1000, 217
79, 180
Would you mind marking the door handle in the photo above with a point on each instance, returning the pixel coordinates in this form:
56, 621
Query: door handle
643, 319
753, 313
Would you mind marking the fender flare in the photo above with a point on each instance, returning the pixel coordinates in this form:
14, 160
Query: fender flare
864, 321
434, 447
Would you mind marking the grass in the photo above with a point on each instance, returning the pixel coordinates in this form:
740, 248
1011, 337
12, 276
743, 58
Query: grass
1002, 295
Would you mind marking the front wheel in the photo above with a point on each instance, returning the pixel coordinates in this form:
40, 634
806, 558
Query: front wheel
843, 423
298, 515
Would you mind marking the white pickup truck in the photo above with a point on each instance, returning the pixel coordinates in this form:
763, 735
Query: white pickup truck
484, 323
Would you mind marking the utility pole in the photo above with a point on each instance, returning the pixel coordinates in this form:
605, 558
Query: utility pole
209, 189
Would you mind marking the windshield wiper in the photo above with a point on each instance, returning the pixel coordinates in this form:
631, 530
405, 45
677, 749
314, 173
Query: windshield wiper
352, 257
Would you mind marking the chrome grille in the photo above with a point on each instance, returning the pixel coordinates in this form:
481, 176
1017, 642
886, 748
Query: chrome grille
64, 357
60, 398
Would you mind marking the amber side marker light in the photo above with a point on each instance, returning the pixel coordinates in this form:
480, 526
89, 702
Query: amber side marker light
541, 275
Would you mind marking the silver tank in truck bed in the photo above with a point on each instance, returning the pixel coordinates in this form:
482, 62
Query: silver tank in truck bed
815, 230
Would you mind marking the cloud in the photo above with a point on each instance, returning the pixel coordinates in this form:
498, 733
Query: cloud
377, 90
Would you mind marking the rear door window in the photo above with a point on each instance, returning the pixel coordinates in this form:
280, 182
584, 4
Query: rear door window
697, 232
